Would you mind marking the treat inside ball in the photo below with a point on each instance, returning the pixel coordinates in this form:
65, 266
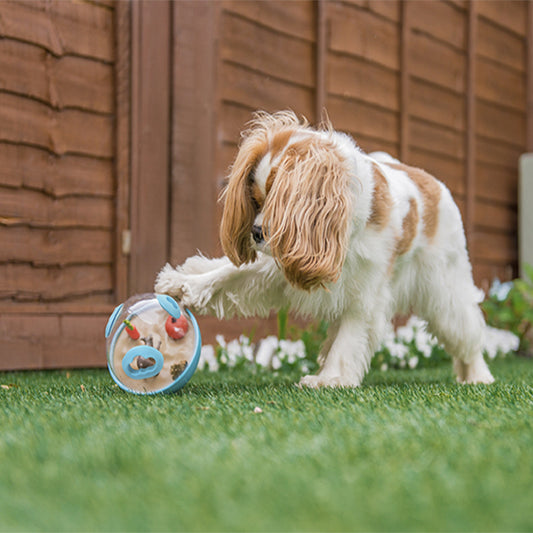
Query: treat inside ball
153, 344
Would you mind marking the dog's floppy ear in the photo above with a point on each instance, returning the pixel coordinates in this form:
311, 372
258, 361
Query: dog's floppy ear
307, 214
239, 209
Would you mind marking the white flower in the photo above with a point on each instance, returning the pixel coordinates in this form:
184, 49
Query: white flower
397, 349
413, 362
207, 357
276, 363
405, 333
500, 290
266, 350
291, 350
221, 340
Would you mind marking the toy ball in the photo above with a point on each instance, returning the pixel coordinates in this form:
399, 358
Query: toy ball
153, 345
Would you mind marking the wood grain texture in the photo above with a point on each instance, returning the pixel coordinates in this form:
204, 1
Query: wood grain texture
37, 169
55, 341
61, 28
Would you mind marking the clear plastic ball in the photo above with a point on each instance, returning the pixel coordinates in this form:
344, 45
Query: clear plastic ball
153, 344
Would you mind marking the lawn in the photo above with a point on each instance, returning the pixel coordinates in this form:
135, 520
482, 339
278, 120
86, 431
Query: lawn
408, 451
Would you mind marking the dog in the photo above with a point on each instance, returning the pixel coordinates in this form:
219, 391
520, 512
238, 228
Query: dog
313, 223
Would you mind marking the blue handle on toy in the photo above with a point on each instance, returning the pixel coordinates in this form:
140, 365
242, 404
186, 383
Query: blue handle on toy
169, 305
148, 352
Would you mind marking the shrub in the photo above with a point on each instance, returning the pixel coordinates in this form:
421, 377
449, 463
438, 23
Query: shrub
510, 306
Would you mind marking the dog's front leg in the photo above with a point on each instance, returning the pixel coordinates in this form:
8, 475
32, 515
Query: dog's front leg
218, 287
346, 356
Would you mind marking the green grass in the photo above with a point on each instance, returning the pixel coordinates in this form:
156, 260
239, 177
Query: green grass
408, 451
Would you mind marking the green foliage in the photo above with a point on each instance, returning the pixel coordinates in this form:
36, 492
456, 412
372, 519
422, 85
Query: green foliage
313, 337
513, 311
283, 321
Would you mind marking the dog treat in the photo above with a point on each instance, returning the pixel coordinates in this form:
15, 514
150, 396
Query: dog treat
178, 369
144, 363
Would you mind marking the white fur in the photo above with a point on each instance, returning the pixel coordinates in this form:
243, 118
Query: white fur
432, 279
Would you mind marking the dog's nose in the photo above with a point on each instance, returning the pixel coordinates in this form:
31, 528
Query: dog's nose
257, 234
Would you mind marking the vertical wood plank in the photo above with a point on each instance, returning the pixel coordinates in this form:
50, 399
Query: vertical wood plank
150, 122
122, 145
405, 45
321, 58
195, 185
470, 185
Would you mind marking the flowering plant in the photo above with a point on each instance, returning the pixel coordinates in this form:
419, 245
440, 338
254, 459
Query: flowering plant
409, 347
269, 353
510, 306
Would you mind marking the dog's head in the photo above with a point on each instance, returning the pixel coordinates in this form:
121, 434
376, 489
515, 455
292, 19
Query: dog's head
288, 194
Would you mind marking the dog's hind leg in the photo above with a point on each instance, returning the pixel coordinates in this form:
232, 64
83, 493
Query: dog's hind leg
454, 317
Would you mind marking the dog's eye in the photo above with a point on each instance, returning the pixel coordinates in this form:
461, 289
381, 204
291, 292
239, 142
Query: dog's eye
256, 205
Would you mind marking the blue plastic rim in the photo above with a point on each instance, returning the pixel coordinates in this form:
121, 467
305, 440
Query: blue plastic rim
180, 381
113, 319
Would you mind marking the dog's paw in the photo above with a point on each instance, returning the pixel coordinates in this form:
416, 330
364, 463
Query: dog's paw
476, 372
475, 378
169, 281
318, 381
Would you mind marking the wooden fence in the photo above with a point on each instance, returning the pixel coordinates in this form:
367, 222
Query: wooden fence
118, 122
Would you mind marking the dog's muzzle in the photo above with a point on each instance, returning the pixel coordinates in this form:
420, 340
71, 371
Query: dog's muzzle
257, 234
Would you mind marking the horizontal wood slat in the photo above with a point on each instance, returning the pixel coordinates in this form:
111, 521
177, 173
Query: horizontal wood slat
257, 91
441, 20
436, 139
389, 9
354, 78
55, 247
70, 131
436, 105
508, 15
22, 282
502, 86
70, 175
497, 44
494, 247
362, 34
274, 56
62, 28
35, 209
497, 184
432, 61
292, 18
489, 216
500, 124
34, 341
359, 118
65, 82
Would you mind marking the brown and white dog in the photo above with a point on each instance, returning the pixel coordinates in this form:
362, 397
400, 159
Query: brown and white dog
313, 223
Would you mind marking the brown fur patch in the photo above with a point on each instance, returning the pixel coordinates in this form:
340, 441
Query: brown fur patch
430, 189
381, 200
280, 141
409, 226
270, 180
